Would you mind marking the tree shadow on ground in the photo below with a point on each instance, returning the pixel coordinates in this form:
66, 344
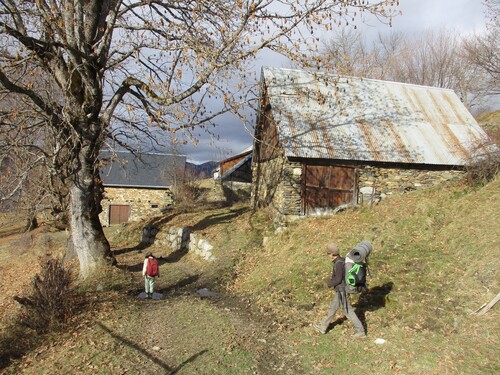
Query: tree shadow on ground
180, 284
131, 268
141, 246
153, 358
171, 289
16, 340
173, 257
223, 217
156, 222
371, 300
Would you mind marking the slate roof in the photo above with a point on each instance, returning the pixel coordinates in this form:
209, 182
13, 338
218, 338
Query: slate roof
154, 171
344, 118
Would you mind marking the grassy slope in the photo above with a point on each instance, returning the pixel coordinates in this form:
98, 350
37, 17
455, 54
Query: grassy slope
183, 333
489, 119
435, 261
491, 124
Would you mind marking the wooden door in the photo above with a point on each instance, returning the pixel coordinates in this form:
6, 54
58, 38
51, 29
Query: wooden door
327, 187
118, 214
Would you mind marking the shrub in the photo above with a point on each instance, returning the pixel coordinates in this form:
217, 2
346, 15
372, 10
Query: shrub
50, 300
486, 164
186, 195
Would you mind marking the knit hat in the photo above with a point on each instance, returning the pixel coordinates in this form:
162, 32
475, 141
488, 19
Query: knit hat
332, 248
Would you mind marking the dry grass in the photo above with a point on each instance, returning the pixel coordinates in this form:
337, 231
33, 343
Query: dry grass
435, 261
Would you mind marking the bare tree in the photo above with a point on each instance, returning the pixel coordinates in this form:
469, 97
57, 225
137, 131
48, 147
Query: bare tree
125, 66
482, 51
431, 59
434, 58
346, 53
26, 181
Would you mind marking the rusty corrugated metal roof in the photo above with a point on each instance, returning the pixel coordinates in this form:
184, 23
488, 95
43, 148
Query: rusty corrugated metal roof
329, 117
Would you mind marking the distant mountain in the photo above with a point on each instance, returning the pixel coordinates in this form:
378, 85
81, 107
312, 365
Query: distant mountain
202, 171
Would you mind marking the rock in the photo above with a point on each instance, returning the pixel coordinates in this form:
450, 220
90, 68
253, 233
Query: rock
265, 240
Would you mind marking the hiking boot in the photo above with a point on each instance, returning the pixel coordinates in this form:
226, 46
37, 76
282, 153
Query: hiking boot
359, 335
319, 328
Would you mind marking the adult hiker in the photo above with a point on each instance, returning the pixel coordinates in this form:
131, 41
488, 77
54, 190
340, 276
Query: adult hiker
150, 270
341, 298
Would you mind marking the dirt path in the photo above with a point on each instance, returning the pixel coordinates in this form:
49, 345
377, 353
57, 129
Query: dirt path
256, 333
182, 333
222, 325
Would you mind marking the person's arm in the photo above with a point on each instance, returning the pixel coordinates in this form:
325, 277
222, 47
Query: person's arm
336, 275
144, 267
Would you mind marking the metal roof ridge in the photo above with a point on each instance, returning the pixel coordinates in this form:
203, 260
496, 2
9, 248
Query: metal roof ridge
359, 78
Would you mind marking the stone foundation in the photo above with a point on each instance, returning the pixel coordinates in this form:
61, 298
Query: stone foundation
376, 183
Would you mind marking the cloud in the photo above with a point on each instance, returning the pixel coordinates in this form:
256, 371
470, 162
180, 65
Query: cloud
229, 137
465, 16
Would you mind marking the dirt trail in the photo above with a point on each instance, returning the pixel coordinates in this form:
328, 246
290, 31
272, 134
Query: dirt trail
249, 330
182, 333
256, 333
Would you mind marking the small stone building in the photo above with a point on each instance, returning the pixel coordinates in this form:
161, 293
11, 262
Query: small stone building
323, 142
138, 185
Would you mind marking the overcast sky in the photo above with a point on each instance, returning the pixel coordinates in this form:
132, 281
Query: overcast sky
464, 16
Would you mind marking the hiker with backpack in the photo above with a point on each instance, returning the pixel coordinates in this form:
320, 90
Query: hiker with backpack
348, 277
150, 270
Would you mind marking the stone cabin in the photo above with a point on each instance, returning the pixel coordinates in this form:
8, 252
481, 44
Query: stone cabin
138, 185
323, 142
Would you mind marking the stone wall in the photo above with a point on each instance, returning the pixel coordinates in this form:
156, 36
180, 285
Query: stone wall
201, 247
376, 183
178, 239
142, 202
278, 185
290, 187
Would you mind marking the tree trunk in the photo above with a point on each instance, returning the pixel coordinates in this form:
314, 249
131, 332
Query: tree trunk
31, 223
88, 236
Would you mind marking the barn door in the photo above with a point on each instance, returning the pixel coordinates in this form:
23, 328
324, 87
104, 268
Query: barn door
327, 187
118, 214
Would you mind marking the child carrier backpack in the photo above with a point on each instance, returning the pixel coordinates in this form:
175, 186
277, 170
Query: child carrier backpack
356, 268
152, 268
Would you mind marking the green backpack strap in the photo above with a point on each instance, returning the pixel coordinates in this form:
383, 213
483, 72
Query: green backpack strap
351, 280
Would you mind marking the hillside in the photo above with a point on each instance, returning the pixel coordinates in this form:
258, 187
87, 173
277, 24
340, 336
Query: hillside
202, 171
435, 262
489, 119
490, 122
